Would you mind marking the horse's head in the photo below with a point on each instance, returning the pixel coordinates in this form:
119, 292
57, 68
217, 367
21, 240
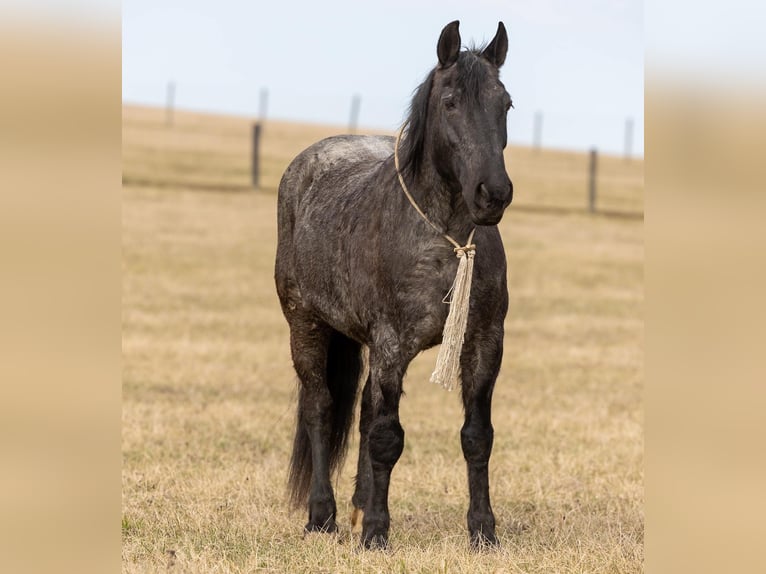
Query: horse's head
467, 111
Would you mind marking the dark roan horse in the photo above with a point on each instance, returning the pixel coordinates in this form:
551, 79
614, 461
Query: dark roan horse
357, 266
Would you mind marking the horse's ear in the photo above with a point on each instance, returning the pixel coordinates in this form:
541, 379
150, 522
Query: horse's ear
448, 48
498, 47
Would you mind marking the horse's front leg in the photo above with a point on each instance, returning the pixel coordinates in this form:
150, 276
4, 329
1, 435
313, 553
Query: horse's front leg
385, 441
363, 469
480, 364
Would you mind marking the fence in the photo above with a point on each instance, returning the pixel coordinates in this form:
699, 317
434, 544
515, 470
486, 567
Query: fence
233, 153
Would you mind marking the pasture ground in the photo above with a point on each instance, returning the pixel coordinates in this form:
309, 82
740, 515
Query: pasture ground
209, 390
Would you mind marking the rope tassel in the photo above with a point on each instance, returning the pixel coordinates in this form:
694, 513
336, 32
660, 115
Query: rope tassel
447, 370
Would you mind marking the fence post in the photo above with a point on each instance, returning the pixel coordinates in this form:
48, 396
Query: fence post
538, 131
628, 138
256, 154
263, 103
592, 181
356, 102
169, 102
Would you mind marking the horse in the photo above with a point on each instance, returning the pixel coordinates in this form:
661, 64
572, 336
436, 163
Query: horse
362, 275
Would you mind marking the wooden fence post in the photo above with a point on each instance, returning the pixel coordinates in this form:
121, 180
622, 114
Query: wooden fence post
263, 103
169, 103
356, 102
592, 181
256, 154
628, 138
538, 131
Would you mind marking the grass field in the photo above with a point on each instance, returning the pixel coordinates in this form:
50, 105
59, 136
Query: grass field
209, 390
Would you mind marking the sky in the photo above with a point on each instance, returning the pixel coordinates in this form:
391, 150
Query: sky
580, 64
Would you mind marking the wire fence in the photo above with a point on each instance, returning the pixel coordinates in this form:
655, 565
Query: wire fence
204, 151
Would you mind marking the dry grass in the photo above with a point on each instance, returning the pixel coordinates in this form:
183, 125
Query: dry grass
208, 386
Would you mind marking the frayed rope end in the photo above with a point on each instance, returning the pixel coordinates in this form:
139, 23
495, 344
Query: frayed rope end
447, 370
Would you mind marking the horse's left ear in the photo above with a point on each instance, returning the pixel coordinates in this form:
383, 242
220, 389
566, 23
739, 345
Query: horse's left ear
448, 48
498, 47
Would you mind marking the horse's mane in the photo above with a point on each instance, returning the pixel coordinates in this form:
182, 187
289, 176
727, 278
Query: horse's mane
470, 77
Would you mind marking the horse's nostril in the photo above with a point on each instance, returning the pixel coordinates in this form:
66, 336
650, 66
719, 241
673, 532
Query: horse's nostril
488, 199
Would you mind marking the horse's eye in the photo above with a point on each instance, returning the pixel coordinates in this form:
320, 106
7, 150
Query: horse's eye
449, 102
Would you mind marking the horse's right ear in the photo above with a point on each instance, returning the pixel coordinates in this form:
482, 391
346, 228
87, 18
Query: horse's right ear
448, 48
498, 47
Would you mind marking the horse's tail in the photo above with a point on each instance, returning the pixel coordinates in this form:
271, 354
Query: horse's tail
344, 367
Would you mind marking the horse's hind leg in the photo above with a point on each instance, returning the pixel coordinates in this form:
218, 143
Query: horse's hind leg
480, 364
309, 342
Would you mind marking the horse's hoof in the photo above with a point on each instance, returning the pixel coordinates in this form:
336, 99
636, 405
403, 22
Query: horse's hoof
328, 527
481, 541
375, 542
375, 536
356, 520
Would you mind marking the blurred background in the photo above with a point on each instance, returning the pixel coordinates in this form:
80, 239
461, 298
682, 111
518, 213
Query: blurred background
198, 78
574, 70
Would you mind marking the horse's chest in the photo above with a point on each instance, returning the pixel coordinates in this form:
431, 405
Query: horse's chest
423, 296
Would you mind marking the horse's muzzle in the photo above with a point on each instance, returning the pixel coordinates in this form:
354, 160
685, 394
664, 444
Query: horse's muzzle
490, 203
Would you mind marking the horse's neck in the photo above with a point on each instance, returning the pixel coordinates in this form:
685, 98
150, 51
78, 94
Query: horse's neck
442, 203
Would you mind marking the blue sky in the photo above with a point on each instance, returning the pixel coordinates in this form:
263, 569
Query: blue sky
579, 63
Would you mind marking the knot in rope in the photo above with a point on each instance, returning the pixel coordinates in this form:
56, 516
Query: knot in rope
467, 250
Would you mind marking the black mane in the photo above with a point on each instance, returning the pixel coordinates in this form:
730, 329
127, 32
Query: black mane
470, 78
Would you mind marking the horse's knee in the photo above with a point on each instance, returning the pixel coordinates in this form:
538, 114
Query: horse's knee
309, 366
386, 441
477, 444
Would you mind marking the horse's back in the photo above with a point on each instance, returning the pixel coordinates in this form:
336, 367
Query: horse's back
337, 154
320, 183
